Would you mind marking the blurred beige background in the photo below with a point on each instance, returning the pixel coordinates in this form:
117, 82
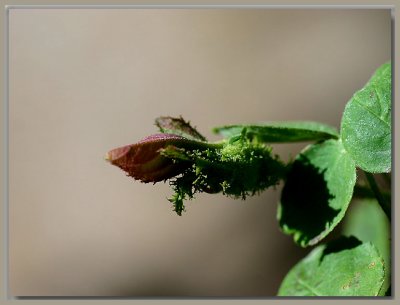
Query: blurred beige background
84, 81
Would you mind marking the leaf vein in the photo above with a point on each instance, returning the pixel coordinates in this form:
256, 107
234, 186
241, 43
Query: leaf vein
310, 288
370, 111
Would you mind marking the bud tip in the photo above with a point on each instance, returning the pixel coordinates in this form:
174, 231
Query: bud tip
107, 157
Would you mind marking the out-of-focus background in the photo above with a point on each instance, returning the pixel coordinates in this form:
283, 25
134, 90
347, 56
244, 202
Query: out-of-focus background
84, 81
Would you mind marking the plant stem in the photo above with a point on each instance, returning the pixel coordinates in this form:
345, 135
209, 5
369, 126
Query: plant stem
361, 191
385, 205
387, 178
195, 144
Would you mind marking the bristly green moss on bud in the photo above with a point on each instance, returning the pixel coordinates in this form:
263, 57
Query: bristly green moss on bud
238, 169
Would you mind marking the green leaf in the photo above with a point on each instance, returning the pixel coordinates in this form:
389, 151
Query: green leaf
342, 268
178, 126
366, 123
278, 132
317, 192
366, 221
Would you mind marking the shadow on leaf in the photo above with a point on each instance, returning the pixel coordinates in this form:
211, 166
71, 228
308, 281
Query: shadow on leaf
305, 207
340, 244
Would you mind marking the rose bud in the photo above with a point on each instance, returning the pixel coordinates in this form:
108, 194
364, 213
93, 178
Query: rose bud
143, 160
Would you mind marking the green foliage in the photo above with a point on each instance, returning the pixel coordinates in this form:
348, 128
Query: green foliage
366, 221
345, 267
317, 192
319, 184
279, 132
366, 123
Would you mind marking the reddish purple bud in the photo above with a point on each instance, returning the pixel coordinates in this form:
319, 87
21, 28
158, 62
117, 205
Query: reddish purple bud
143, 160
